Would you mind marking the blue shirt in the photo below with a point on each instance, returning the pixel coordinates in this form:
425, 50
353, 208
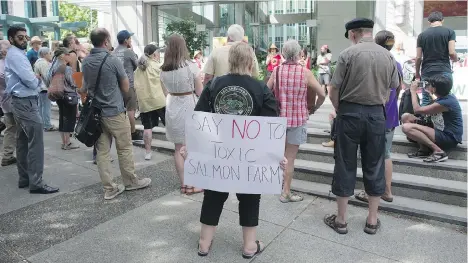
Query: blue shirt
32, 56
20, 78
451, 121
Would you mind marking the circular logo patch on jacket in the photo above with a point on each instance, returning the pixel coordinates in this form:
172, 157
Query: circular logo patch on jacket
233, 100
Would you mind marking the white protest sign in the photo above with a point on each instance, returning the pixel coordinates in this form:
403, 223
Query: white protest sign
236, 154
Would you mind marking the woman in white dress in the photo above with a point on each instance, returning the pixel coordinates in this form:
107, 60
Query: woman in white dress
180, 78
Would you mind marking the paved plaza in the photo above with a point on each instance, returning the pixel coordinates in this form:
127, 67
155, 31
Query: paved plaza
158, 224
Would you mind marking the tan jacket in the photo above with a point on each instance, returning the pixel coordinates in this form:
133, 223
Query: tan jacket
218, 63
148, 87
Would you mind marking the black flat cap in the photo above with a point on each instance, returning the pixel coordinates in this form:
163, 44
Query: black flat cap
358, 23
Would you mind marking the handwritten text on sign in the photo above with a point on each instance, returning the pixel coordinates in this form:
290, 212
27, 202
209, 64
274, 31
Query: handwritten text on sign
237, 154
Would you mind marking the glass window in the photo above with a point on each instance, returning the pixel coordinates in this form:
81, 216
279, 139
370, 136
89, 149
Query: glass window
44, 8
303, 6
4, 5
33, 6
279, 7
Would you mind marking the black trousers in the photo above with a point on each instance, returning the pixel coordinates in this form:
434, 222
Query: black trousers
67, 116
213, 202
363, 126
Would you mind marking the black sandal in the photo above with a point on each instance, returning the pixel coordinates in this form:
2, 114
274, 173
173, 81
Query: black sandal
202, 253
330, 220
419, 154
436, 157
372, 229
259, 250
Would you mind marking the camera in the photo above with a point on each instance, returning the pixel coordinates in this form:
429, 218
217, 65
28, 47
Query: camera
422, 84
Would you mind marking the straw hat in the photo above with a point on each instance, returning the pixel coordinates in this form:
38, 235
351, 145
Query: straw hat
273, 46
35, 39
196, 53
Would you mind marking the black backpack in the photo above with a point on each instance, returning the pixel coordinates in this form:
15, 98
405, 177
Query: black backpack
406, 105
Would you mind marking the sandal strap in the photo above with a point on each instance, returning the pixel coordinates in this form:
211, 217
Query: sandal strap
373, 226
332, 220
258, 246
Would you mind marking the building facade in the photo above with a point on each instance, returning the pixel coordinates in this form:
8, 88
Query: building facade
311, 22
37, 16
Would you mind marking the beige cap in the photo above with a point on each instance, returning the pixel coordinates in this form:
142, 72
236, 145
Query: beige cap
35, 39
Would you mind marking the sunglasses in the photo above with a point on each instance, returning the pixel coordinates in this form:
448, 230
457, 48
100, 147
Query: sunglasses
23, 37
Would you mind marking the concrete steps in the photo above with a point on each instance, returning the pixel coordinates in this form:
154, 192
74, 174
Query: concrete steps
400, 144
433, 191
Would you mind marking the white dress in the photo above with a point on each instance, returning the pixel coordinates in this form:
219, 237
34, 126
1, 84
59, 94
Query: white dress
181, 80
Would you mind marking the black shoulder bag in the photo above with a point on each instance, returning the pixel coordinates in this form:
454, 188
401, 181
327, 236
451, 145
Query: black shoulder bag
88, 130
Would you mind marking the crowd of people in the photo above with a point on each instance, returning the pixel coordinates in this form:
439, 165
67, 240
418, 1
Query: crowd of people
364, 89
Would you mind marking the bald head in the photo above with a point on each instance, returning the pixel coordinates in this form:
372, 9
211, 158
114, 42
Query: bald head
99, 37
4, 46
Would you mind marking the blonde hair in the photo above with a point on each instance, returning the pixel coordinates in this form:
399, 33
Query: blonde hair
241, 59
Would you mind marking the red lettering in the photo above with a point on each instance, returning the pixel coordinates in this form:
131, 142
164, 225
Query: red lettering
245, 130
242, 134
258, 130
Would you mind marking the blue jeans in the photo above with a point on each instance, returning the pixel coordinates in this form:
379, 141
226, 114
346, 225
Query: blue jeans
44, 109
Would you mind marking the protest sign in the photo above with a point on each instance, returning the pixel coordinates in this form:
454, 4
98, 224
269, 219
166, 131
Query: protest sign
236, 154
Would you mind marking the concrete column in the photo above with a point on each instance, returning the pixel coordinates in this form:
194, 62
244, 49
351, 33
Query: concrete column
216, 17
419, 20
239, 9
133, 23
380, 16
331, 24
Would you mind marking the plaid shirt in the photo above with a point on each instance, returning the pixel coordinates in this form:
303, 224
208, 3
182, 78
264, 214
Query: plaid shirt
292, 93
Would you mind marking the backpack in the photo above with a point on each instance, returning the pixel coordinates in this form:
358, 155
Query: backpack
56, 89
406, 105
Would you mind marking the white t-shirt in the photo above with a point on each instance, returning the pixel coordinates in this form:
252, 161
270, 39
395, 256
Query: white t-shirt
324, 68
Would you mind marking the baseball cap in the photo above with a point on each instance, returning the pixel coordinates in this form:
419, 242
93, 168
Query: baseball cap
123, 35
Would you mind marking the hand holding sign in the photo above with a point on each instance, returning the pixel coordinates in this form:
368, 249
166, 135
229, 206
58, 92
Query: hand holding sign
228, 153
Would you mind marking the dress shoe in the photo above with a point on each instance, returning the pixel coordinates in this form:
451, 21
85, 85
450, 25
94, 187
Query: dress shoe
23, 185
44, 190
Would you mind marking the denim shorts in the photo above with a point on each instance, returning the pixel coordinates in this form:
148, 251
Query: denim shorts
296, 135
388, 142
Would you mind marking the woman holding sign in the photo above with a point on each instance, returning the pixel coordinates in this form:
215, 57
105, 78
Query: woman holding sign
297, 90
236, 93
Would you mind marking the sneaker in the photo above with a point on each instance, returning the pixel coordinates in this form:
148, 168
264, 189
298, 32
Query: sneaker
328, 144
290, 198
148, 156
70, 146
108, 195
6, 162
138, 184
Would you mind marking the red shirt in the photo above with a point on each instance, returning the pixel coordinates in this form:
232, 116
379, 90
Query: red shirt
271, 66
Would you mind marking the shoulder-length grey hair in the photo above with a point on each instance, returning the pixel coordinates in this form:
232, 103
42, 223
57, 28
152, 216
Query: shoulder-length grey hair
241, 59
291, 50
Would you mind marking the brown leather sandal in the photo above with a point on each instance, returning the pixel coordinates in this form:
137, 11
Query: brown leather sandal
330, 220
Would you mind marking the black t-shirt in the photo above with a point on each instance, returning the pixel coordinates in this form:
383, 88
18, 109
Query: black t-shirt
434, 44
237, 95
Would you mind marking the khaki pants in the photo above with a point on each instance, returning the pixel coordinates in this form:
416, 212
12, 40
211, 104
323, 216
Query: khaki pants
117, 127
9, 141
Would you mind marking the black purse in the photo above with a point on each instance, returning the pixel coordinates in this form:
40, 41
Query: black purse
88, 130
71, 98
